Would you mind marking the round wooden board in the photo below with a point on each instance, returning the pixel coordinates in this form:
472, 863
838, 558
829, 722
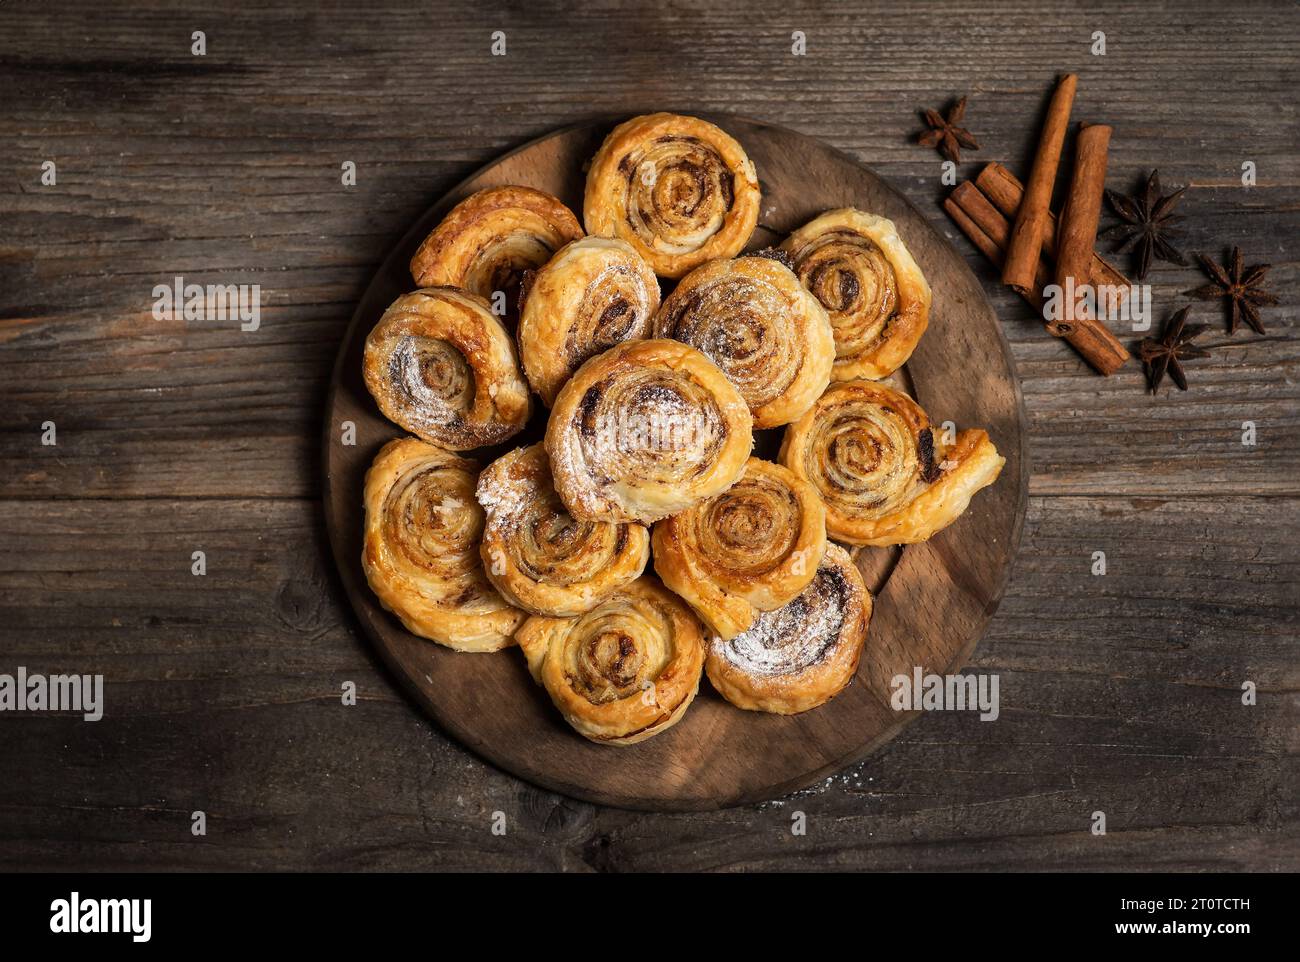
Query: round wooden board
932, 603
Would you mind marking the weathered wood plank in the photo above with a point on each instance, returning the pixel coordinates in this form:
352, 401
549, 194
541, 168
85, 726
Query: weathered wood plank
225, 169
1119, 693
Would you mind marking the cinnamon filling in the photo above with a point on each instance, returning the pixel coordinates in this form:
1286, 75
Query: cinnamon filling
609, 666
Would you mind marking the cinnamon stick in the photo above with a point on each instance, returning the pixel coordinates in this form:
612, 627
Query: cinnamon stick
1082, 210
1075, 238
989, 230
1027, 236
986, 244
986, 218
1003, 188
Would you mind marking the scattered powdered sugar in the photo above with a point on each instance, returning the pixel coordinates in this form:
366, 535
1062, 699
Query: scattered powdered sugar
790, 639
853, 781
504, 488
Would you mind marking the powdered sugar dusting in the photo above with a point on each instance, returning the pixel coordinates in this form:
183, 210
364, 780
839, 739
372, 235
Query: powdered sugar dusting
791, 639
430, 407
648, 428
505, 487
449, 507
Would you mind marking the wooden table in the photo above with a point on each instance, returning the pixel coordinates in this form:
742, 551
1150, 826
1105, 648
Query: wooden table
1120, 693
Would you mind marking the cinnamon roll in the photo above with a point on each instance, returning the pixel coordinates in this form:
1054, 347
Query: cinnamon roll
883, 473
753, 319
801, 655
421, 553
441, 366
594, 293
878, 300
537, 555
645, 430
678, 189
624, 671
488, 240
750, 549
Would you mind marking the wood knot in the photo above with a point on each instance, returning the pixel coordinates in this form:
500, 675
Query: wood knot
300, 602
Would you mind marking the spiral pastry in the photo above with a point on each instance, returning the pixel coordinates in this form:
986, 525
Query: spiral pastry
801, 655
441, 366
645, 430
884, 475
753, 319
678, 189
421, 553
488, 240
538, 556
594, 293
624, 671
878, 300
750, 549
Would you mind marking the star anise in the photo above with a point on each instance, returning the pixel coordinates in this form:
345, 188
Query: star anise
1148, 223
1241, 285
945, 134
1173, 347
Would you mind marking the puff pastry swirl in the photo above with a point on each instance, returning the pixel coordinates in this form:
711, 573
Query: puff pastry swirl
878, 300
421, 553
441, 366
624, 671
537, 555
801, 655
678, 189
753, 318
488, 240
884, 475
645, 430
750, 549
593, 294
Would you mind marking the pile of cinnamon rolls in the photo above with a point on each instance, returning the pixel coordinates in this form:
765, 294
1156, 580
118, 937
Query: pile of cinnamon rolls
647, 459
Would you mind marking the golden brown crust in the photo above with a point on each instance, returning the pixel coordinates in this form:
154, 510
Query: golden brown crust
885, 476
624, 671
488, 240
594, 293
752, 548
770, 336
421, 554
441, 366
645, 430
801, 655
678, 189
861, 272
537, 555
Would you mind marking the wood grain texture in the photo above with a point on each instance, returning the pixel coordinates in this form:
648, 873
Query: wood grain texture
930, 611
1118, 693
226, 169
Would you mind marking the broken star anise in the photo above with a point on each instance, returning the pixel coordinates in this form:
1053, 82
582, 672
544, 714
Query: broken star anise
1148, 223
945, 134
1242, 286
1173, 347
